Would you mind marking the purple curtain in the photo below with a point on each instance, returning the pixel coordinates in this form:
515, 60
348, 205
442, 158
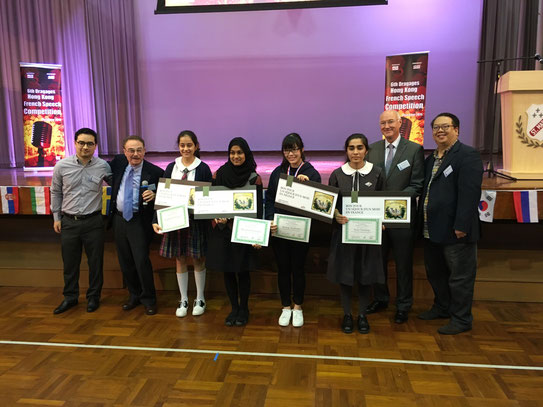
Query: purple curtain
93, 40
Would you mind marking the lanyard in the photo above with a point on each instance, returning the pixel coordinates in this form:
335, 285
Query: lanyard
297, 169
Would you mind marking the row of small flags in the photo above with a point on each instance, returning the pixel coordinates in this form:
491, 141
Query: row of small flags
525, 202
37, 200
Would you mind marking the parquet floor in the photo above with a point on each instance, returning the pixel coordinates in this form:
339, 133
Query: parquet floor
197, 361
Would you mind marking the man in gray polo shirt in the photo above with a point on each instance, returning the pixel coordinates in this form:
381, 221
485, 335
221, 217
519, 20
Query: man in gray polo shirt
76, 203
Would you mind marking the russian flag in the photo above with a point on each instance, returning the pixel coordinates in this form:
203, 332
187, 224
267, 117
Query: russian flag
526, 206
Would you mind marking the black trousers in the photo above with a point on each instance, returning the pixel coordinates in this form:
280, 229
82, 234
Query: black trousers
400, 242
290, 257
74, 236
133, 240
451, 271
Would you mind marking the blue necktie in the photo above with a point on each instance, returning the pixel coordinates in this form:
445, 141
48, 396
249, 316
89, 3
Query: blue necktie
128, 195
390, 157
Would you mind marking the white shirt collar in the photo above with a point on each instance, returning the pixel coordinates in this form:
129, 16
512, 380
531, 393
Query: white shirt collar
395, 143
365, 170
181, 166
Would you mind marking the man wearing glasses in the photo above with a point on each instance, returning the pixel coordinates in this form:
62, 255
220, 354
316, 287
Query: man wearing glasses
134, 180
403, 163
449, 215
76, 203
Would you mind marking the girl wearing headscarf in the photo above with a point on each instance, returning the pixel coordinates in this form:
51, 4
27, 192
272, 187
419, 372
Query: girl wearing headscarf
290, 255
192, 241
354, 264
233, 258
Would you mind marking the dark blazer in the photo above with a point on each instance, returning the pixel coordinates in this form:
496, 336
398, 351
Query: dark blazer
150, 173
453, 199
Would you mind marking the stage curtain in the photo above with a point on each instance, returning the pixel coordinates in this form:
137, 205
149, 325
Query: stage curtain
93, 40
509, 30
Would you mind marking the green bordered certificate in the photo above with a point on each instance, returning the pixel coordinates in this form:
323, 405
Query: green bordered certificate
173, 218
292, 227
251, 231
362, 231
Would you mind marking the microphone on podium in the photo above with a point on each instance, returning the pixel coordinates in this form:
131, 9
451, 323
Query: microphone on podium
538, 57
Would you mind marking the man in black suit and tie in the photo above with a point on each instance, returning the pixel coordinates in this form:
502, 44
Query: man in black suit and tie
448, 211
403, 163
132, 220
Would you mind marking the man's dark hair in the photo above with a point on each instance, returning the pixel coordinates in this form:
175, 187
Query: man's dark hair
86, 130
455, 120
137, 138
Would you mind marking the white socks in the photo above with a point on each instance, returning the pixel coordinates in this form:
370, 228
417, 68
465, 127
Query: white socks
183, 283
200, 280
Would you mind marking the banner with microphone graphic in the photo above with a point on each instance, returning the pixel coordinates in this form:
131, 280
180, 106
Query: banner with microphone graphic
405, 91
43, 119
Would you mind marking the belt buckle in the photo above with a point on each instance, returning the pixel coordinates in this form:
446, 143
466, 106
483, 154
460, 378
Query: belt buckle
77, 217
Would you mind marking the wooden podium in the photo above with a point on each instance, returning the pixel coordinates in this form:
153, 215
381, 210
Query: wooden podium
522, 154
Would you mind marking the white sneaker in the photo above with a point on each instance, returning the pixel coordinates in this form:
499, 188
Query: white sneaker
284, 319
198, 307
297, 318
182, 309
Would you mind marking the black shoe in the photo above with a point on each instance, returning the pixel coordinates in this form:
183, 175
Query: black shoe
231, 318
363, 325
242, 318
451, 329
150, 309
432, 314
400, 317
131, 304
376, 306
64, 306
347, 325
93, 304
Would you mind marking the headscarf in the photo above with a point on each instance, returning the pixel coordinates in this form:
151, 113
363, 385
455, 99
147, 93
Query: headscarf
232, 176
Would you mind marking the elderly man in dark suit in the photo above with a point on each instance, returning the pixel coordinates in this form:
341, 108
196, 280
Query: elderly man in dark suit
403, 162
450, 219
132, 220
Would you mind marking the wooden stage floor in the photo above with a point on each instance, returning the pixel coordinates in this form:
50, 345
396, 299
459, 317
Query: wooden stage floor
117, 358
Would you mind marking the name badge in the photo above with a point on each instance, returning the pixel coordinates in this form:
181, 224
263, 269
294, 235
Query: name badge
448, 171
403, 165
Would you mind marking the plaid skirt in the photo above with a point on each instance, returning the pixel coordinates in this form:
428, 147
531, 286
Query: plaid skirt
188, 242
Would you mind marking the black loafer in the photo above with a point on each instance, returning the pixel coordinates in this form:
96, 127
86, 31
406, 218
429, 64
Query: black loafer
93, 304
231, 318
363, 325
452, 329
432, 314
64, 306
242, 317
400, 317
131, 304
150, 310
376, 306
347, 325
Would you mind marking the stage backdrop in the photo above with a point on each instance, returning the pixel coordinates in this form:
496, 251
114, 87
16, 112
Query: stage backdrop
319, 72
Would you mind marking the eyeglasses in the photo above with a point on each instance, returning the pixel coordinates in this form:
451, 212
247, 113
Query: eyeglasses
444, 127
134, 150
89, 144
287, 151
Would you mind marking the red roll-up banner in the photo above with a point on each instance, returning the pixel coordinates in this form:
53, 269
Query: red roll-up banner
405, 91
42, 115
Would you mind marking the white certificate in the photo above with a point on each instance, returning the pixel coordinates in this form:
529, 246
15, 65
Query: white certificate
173, 218
173, 192
251, 231
306, 198
362, 231
221, 202
292, 227
393, 208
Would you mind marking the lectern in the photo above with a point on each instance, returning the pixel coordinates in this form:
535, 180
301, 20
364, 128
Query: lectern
521, 94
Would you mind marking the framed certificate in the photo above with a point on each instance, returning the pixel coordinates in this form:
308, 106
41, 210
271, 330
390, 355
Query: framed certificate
307, 198
173, 192
222, 202
362, 231
173, 218
251, 231
393, 208
292, 227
